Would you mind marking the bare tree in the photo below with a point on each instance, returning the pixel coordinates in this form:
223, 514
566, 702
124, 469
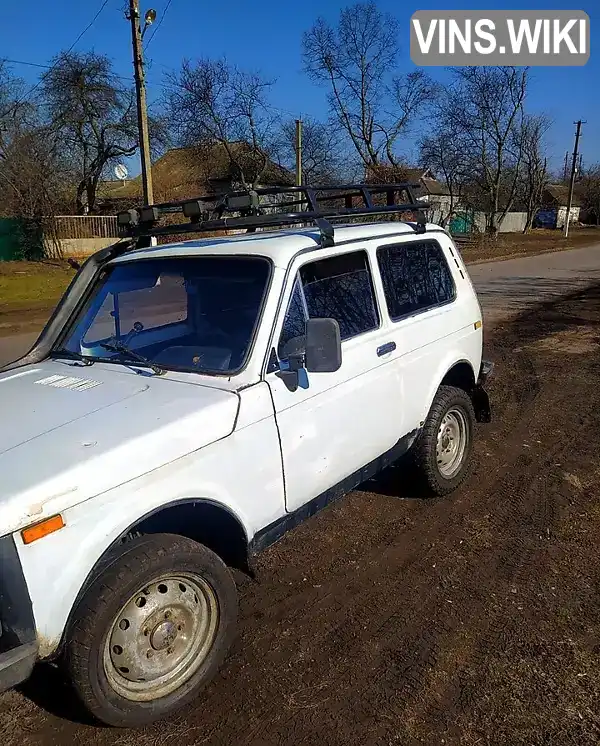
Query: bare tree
93, 114
212, 102
589, 187
33, 178
356, 61
485, 106
444, 153
321, 156
534, 173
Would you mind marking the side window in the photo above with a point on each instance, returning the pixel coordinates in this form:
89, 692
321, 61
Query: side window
339, 287
415, 277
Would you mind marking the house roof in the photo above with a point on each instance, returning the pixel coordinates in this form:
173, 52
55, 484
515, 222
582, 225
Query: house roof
185, 172
559, 195
433, 186
424, 177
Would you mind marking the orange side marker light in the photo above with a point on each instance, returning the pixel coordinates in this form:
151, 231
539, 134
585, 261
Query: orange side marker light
41, 529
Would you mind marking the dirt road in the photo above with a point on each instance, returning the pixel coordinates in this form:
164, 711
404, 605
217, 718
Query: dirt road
514, 285
388, 619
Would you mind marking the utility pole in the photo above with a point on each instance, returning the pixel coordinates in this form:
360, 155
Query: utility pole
566, 166
572, 182
298, 152
140, 90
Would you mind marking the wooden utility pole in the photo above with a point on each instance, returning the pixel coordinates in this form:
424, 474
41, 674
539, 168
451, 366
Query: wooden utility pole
572, 181
142, 110
298, 152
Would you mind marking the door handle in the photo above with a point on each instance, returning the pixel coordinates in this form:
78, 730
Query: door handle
384, 349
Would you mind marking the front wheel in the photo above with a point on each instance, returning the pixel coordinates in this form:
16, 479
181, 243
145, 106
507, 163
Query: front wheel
152, 630
442, 451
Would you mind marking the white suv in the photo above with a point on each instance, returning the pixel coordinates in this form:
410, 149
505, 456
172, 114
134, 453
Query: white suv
189, 403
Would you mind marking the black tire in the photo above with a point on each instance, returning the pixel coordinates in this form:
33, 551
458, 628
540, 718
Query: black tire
137, 564
424, 452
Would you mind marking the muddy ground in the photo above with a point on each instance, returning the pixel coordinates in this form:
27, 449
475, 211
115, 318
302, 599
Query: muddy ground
389, 619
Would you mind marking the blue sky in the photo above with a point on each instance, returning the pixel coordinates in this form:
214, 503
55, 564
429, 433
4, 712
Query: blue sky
265, 35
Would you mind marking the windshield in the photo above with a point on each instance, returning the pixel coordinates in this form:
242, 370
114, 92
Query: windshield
197, 314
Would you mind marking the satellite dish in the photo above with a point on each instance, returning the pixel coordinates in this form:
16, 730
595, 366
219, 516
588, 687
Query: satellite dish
121, 171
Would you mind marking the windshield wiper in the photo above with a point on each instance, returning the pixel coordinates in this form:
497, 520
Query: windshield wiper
76, 356
122, 349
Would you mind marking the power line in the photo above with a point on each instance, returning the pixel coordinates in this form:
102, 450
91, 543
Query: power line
129, 79
51, 67
22, 62
153, 83
158, 25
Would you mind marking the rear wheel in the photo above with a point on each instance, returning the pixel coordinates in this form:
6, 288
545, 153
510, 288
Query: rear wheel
443, 449
152, 630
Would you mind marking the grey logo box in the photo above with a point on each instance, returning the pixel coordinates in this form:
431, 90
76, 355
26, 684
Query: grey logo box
500, 37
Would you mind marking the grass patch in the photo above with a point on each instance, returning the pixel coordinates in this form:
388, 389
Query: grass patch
24, 285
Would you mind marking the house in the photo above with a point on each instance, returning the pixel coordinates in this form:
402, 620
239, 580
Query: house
183, 173
428, 189
554, 207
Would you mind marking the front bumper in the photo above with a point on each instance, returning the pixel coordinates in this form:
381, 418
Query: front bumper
481, 400
18, 641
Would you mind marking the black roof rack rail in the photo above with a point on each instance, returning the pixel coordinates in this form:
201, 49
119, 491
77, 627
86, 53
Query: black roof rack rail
272, 207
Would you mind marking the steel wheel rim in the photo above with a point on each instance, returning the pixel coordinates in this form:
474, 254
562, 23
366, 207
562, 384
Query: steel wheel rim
161, 637
451, 442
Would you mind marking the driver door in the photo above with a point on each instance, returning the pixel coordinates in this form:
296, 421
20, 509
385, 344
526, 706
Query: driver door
333, 424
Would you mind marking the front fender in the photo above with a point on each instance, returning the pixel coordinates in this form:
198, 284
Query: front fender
251, 488
58, 566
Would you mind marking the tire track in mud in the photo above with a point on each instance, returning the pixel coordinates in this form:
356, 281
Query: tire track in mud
524, 558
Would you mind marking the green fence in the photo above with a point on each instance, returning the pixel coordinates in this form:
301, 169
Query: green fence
20, 239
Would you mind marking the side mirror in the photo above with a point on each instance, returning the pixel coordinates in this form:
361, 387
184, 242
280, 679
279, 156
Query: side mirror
323, 352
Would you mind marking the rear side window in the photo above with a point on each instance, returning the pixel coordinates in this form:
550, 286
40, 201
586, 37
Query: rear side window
339, 287
415, 277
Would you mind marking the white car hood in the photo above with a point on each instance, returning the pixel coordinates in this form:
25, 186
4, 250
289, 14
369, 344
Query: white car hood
68, 433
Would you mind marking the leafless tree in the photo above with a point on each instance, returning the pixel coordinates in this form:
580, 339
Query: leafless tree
321, 155
212, 102
93, 114
443, 152
356, 61
485, 106
534, 173
33, 179
589, 188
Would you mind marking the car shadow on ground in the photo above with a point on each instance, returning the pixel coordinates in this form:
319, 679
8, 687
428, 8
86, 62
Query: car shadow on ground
48, 689
397, 480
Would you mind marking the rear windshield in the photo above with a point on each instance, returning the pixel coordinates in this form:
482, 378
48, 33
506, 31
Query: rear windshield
196, 314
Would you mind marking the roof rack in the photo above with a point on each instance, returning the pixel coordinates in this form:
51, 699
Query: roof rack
273, 207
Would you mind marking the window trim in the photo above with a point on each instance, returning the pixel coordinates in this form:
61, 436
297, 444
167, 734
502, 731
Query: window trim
70, 324
296, 278
418, 312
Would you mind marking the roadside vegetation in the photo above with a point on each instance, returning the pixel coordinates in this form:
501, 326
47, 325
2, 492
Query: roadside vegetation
28, 293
